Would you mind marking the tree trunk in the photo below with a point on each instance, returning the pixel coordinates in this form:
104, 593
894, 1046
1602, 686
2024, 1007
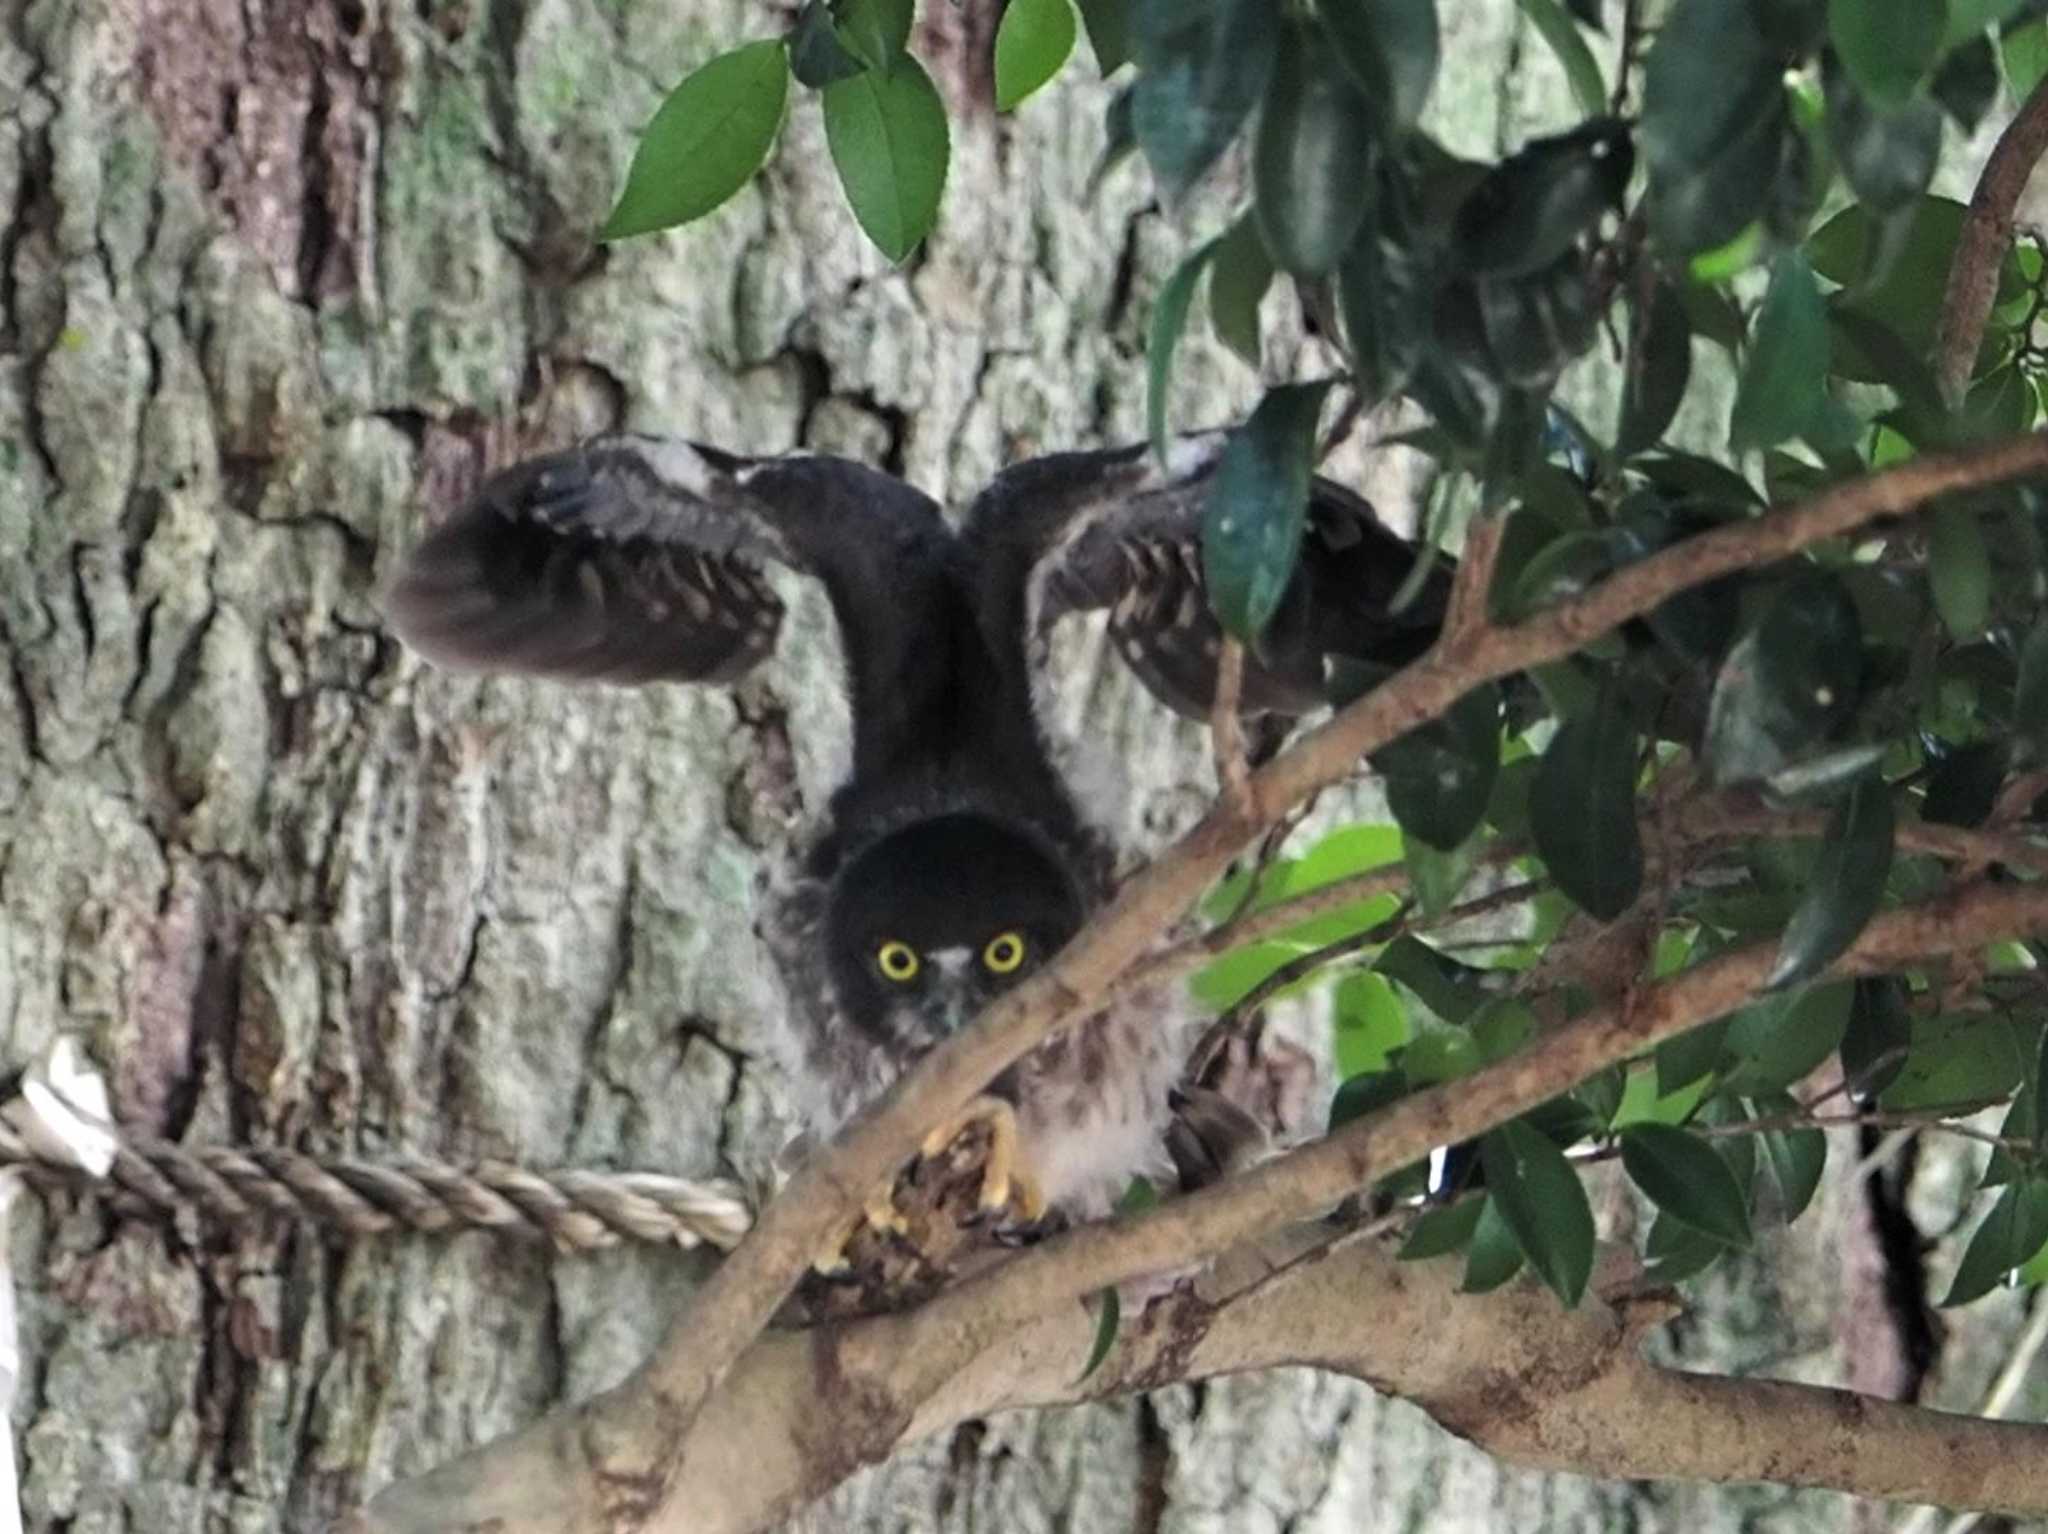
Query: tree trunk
277, 282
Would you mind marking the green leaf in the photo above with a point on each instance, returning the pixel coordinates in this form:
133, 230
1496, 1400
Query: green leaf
1787, 682
1239, 275
1441, 983
1959, 566
1958, 1060
1390, 48
1370, 1024
1533, 206
1541, 1200
1580, 69
1887, 45
706, 140
1783, 381
1439, 1232
1686, 1178
1312, 158
1032, 42
1437, 877
1962, 788
1694, 1054
1439, 776
887, 134
1386, 302
1502, 1025
1674, 1251
1169, 318
1878, 1036
2030, 694
1582, 809
1900, 279
1659, 365
1713, 124
1257, 507
1797, 1157
1494, 1255
1846, 887
1366, 1094
1779, 1040
1106, 1322
816, 55
2010, 1235
1202, 65
2024, 51
1887, 153
877, 31
1967, 82
1109, 32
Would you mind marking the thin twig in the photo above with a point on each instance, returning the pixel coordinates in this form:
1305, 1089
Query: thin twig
1226, 731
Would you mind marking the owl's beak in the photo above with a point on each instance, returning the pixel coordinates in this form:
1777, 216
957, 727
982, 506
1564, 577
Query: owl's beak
952, 990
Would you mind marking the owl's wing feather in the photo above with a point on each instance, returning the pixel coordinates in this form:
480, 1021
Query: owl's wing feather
1114, 530
634, 559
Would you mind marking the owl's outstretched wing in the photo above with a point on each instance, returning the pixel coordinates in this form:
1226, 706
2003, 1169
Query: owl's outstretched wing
636, 559
1084, 531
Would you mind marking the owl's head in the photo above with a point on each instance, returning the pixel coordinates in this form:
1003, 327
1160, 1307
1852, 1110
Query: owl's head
930, 921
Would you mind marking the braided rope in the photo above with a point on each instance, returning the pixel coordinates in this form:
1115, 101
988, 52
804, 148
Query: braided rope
578, 1210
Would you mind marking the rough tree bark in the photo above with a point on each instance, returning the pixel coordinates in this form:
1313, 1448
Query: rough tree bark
278, 279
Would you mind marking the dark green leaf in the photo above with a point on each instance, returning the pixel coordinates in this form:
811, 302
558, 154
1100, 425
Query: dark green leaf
1386, 304
1846, 887
1202, 66
1797, 1156
1257, 506
1032, 42
1778, 1041
1685, 1178
877, 31
1390, 48
1439, 776
2001, 404
1436, 876
1714, 119
1494, 1255
1967, 83
2030, 694
706, 140
1787, 682
1582, 809
1532, 207
1887, 45
1366, 1094
1312, 158
1106, 1321
1446, 987
1169, 318
1541, 1200
1879, 1034
1674, 1251
1499, 1028
1958, 1060
1959, 566
1109, 32
1659, 365
1238, 278
2014, 1230
1693, 1054
1882, 356
1963, 787
1782, 385
887, 134
1580, 69
1900, 281
816, 55
1887, 153
1442, 1231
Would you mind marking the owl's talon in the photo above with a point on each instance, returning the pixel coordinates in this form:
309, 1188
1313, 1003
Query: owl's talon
1005, 1185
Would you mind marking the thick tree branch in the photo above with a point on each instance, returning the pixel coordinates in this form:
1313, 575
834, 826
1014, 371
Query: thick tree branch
1986, 236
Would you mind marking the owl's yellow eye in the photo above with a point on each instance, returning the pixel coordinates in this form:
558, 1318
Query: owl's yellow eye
1004, 953
898, 961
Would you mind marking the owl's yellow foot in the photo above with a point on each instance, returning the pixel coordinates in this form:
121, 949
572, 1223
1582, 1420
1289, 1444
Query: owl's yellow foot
1005, 1185
878, 1213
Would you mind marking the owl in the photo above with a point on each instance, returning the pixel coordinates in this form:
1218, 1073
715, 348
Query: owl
955, 858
